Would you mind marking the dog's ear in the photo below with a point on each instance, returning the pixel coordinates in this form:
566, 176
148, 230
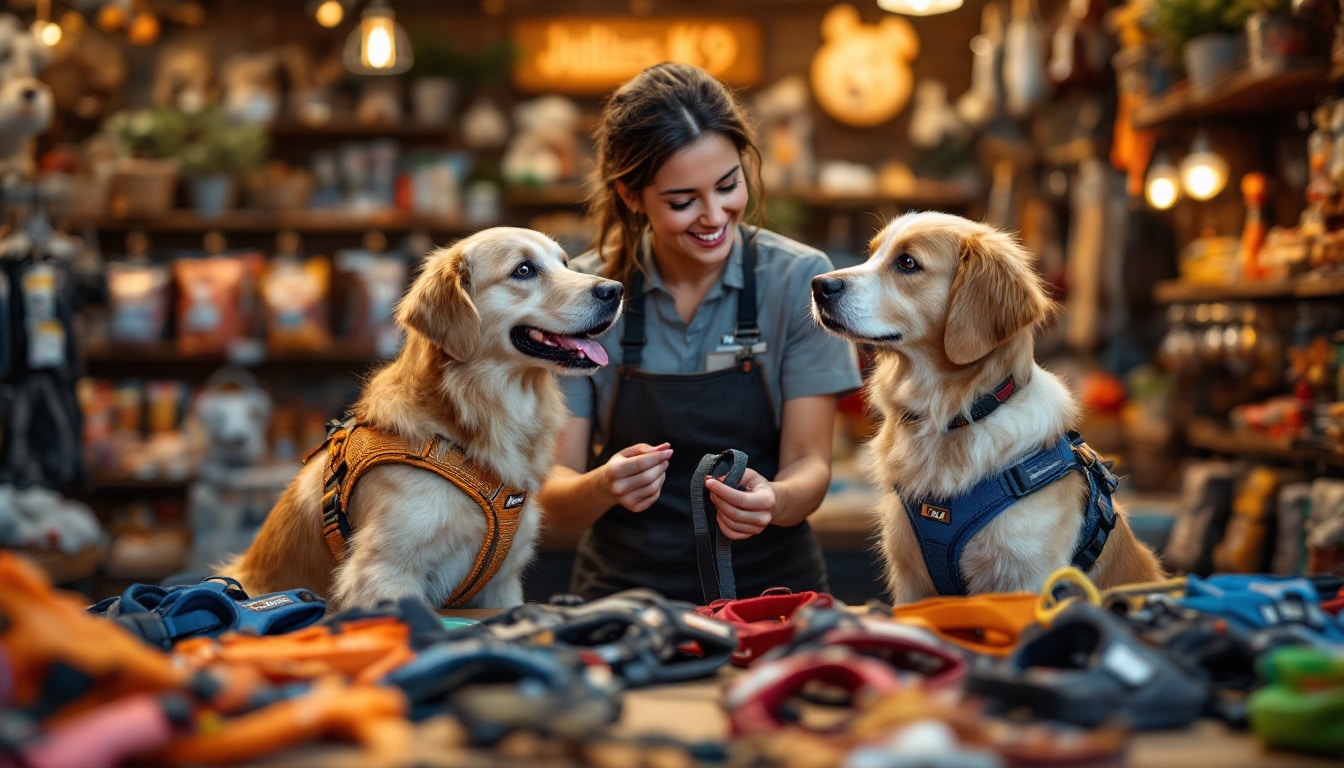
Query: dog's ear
438, 304
995, 294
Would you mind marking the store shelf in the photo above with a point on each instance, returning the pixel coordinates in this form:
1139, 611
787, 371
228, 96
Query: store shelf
120, 481
405, 130
64, 569
261, 221
1305, 287
924, 194
1243, 93
1213, 437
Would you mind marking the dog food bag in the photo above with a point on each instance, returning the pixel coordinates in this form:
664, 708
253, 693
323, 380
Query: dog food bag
1325, 528
1205, 505
1290, 543
210, 304
138, 297
372, 285
295, 293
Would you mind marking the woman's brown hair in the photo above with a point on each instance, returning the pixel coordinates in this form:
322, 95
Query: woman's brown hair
657, 113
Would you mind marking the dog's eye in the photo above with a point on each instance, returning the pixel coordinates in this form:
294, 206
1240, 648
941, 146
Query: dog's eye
524, 271
906, 263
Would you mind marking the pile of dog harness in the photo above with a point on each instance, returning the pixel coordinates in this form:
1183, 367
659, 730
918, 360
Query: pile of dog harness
207, 675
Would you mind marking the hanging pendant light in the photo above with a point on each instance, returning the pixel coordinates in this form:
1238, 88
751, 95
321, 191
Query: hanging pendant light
1162, 186
919, 7
46, 30
327, 13
379, 45
1203, 171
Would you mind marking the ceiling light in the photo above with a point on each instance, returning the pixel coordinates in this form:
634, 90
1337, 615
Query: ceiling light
1203, 171
379, 45
919, 7
1162, 187
328, 13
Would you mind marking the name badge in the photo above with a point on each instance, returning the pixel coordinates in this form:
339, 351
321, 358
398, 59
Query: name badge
727, 355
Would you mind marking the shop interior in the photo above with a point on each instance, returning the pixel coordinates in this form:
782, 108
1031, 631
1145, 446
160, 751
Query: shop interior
209, 210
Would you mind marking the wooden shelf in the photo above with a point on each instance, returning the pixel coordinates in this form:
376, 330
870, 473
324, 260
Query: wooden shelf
405, 130
165, 352
1306, 287
64, 569
1209, 436
924, 194
299, 221
1243, 93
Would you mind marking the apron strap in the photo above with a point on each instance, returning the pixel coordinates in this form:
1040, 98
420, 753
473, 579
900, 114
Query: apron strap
713, 550
746, 333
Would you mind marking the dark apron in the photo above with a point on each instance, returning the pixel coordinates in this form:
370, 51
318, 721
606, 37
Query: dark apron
698, 414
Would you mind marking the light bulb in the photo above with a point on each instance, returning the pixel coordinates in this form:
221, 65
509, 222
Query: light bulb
48, 32
1162, 191
379, 50
330, 13
1203, 171
378, 46
919, 7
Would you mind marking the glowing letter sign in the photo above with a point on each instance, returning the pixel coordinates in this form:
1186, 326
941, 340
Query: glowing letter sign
591, 55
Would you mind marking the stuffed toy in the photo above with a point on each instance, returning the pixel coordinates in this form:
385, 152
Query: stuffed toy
251, 86
544, 148
787, 160
25, 101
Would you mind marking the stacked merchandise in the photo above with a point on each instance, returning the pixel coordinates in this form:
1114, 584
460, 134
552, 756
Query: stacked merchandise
40, 419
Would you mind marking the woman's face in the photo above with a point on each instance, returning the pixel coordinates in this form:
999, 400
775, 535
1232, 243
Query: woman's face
696, 201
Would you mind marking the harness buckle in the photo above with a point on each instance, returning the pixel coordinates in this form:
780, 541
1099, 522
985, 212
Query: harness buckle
1017, 484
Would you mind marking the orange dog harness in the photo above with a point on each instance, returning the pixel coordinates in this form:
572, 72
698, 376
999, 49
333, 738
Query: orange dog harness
353, 448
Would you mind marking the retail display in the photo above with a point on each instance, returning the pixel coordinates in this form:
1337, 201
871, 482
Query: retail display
209, 222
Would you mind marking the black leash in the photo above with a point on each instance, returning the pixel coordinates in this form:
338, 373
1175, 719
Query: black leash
713, 550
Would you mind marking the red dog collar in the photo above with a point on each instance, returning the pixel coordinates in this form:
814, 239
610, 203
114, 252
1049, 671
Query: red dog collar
763, 622
756, 701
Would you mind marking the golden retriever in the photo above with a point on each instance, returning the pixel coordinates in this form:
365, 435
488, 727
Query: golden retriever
950, 307
487, 321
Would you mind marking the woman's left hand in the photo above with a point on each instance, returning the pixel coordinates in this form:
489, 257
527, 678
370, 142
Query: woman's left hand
746, 512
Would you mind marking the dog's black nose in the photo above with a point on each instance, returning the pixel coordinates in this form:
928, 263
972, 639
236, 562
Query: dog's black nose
607, 292
29, 95
825, 288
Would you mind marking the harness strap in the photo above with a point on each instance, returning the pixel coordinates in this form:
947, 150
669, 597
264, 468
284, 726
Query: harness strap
745, 334
713, 550
944, 526
355, 448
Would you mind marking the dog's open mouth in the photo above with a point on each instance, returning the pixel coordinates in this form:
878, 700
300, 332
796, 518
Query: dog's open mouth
578, 350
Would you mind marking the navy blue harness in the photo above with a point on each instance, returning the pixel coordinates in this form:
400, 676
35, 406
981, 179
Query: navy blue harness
944, 526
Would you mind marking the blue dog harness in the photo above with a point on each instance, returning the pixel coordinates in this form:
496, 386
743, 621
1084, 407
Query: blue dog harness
944, 526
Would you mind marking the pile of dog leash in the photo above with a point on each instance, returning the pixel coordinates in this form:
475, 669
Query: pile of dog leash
206, 675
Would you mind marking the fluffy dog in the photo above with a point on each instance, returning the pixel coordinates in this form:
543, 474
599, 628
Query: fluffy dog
950, 307
488, 322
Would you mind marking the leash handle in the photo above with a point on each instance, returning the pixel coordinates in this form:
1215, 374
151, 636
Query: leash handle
713, 550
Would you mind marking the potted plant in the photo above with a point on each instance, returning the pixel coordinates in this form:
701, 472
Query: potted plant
144, 175
215, 152
1206, 36
1275, 39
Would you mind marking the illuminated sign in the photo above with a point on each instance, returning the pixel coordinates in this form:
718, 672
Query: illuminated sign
592, 55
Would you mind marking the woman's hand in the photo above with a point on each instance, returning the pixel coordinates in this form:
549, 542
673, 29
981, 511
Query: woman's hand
634, 476
746, 512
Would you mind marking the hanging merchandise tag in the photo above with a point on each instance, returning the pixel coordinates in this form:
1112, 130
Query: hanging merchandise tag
46, 336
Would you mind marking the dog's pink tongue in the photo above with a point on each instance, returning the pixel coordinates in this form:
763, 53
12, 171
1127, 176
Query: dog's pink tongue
590, 349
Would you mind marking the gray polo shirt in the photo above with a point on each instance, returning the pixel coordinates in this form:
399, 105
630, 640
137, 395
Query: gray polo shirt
800, 360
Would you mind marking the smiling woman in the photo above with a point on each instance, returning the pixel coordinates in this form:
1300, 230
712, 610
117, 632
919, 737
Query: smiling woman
715, 351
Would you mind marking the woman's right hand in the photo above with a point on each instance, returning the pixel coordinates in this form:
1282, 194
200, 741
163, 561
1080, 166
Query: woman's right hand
634, 476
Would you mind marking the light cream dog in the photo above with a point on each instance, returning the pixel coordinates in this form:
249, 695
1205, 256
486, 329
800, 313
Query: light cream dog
950, 307
488, 322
